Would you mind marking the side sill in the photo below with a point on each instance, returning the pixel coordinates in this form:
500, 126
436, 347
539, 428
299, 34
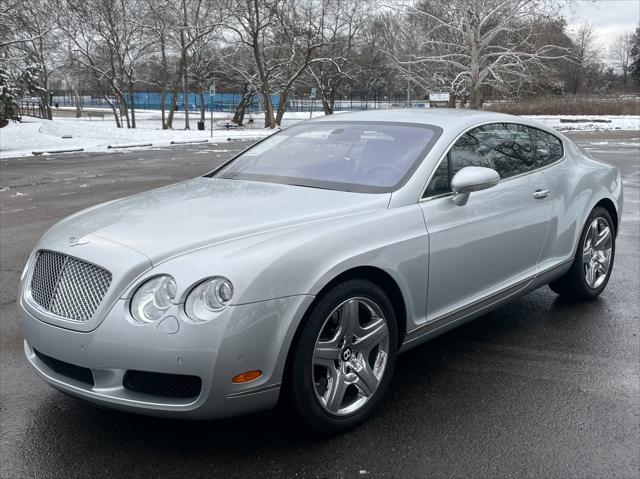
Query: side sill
449, 321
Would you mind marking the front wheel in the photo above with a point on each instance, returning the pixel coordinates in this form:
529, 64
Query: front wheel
593, 262
344, 358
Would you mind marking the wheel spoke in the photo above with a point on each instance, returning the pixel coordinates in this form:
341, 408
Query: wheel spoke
367, 382
371, 335
590, 274
325, 354
602, 237
350, 317
600, 268
337, 391
594, 232
586, 256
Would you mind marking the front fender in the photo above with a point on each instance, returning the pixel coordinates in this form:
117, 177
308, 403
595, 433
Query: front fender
303, 260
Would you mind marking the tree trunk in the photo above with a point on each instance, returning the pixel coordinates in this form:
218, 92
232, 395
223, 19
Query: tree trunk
242, 111
202, 107
269, 118
115, 111
245, 101
240, 106
132, 106
76, 95
328, 101
326, 106
174, 97
172, 106
45, 108
163, 101
185, 92
282, 106
475, 95
452, 100
123, 108
165, 80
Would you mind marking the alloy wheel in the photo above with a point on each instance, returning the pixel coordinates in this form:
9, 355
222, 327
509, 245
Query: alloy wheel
350, 356
596, 252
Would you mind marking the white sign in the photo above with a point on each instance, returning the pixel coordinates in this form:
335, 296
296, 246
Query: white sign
212, 89
439, 96
313, 93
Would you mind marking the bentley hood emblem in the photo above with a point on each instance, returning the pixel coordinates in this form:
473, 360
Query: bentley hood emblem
75, 241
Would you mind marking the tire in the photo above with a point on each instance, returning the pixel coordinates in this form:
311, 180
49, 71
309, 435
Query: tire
576, 284
325, 362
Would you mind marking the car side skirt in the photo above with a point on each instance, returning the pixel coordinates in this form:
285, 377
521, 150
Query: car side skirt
456, 318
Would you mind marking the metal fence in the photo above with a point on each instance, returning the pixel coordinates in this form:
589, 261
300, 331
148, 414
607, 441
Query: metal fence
30, 108
153, 101
227, 101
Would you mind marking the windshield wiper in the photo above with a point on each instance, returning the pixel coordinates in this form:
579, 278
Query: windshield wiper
306, 186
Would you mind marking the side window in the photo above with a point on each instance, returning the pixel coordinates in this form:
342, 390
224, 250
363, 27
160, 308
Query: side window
508, 149
504, 147
548, 147
439, 184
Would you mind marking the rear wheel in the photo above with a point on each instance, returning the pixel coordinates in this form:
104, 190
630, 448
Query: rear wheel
344, 357
591, 268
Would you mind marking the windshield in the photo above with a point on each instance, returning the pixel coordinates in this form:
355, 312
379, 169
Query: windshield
361, 157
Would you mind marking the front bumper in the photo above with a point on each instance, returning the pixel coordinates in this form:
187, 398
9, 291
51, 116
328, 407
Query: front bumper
243, 338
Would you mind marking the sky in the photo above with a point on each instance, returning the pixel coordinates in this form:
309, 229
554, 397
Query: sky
609, 17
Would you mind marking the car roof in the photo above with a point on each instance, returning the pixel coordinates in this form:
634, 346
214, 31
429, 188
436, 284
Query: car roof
445, 118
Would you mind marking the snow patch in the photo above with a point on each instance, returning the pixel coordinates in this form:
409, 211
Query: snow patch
21, 139
588, 123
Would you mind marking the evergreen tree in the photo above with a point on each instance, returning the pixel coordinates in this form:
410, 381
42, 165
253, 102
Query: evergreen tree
8, 98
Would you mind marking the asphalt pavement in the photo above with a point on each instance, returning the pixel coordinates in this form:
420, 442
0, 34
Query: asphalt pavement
538, 388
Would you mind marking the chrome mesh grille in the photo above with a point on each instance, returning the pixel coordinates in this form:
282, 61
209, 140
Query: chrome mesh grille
68, 287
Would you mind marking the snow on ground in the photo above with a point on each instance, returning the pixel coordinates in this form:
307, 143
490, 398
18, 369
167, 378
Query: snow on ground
21, 139
588, 122
97, 134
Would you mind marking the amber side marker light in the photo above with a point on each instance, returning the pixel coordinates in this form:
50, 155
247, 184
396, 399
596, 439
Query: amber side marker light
246, 377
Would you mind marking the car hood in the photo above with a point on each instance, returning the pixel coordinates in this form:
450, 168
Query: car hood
201, 212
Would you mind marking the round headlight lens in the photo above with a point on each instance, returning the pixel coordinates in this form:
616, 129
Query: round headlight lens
153, 299
208, 298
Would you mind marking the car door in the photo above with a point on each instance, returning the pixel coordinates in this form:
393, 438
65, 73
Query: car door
489, 246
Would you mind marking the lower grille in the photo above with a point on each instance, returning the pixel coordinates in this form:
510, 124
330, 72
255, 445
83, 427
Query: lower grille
68, 287
160, 384
72, 371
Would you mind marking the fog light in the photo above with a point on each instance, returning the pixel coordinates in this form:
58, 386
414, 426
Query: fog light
246, 377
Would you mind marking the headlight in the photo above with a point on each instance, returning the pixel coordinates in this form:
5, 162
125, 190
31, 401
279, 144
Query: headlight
209, 297
153, 299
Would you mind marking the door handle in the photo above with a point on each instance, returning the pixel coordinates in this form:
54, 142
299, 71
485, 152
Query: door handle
539, 194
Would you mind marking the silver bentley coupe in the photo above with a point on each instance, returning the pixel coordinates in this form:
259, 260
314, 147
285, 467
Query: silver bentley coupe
296, 272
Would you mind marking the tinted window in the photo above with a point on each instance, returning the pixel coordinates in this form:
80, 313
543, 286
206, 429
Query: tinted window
548, 147
504, 147
367, 157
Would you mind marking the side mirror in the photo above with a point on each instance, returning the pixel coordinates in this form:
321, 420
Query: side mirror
472, 178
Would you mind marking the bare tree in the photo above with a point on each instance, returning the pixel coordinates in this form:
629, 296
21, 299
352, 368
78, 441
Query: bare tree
586, 54
341, 24
192, 20
106, 38
298, 42
239, 63
475, 44
33, 38
162, 30
250, 21
620, 52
